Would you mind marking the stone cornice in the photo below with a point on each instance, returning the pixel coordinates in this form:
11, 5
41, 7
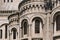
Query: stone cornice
13, 17
28, 1
31, 6
7, 11
44, 6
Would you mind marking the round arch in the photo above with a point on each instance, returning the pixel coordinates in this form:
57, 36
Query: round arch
14, 32
37, 22
13, 29
40, 16
53, 13
24, 26
37, 18
56, 23
53, 17
24, 20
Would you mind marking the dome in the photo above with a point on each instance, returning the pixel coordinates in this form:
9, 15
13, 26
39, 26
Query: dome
22, 2
27, 1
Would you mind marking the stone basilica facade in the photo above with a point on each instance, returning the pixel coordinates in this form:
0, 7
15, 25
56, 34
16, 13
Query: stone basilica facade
30, 20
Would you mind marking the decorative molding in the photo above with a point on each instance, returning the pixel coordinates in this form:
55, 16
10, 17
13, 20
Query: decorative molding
7, 11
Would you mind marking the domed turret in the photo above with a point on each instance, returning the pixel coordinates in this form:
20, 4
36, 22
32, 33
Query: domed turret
30, 4
27, 1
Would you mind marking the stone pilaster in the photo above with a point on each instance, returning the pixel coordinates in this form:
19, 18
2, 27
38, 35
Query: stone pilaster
47, 25
46, 28
48, 32
29, 32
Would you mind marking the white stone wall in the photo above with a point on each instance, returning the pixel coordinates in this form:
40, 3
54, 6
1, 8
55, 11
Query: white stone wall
47, 17
10, 5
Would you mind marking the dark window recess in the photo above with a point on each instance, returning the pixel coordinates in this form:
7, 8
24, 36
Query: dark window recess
24, 39
0, 34
58, 22
4, 0
22, 32
25, 27
37, 39
7, 0
11, 0
6, 31
14, 34
37, 26
56, 37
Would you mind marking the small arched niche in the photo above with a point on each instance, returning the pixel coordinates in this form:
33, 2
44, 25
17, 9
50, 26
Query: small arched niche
14, 30
56, 21
24, 26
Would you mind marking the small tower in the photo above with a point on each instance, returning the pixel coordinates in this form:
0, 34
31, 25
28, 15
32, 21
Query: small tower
13, 27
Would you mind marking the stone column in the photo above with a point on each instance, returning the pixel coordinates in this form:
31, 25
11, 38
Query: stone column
18, 32
49, 29
8, 33
20, 35
29, 32
47, 25
47, 34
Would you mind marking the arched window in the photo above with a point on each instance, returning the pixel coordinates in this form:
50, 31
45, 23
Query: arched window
4, 0
11, 0
38, 24
5, 31
58, 22
14, 33
1, 34
24, 25
7, 0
